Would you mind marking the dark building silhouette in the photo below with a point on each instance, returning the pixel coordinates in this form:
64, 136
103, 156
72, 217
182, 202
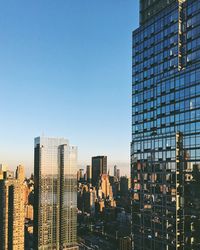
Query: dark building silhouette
123, 186
89, 173
99, 167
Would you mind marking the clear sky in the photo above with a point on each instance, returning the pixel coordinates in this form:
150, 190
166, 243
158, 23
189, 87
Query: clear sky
65, 70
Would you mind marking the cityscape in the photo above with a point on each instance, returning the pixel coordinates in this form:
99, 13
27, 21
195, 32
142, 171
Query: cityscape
62, 202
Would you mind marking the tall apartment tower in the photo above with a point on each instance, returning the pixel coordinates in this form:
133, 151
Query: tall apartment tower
99, 167
165, 150
12, 211
55, 206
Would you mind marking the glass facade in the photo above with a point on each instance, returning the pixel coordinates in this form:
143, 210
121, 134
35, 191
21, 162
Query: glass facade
55, 218
165, 148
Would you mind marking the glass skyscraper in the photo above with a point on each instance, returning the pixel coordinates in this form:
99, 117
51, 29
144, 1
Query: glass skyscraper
165, 150
55, 206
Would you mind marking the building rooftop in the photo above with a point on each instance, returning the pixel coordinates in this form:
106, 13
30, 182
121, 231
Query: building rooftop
149, 8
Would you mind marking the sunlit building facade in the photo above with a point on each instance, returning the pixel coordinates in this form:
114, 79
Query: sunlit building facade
55, 211
12, 211
165, 149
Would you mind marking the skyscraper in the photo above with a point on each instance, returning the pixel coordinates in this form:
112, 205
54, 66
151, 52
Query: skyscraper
124, 186
115, 171
118, 174
55, 206
12, 211
89, 173
165, 154
80, 175
99, 167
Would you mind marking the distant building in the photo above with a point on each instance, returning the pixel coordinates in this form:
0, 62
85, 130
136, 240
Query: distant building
118, 174
80, 175
89, 173
12, 210
124, 183
125, 243
55, 205
99, 167
86, 198
20, 173
105, 189
105, 193
115, 171
29, 212
3, 168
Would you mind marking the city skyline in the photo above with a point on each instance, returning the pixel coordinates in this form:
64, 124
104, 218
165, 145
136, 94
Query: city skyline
100, 138
45, 64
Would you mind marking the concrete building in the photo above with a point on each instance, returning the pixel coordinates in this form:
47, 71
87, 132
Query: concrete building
12, 211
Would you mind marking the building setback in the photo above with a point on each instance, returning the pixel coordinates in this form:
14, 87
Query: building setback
165, 150
55, 206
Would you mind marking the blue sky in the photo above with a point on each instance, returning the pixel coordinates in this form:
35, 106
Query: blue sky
65, 70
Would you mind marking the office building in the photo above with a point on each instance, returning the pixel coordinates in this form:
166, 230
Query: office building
12, 211
115, 171
165, 125
55, 205
80, 175
86, 198
124, 186
89, 173
105, 188
99, 167
118, 174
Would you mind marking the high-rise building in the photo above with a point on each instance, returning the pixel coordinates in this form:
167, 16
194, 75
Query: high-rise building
89, 173
165, 125
20, 173
99, 167
3, 168
86, 198
105, 189
115, 171
55, 205
118, 174
124, 186
80, 175
12, 211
